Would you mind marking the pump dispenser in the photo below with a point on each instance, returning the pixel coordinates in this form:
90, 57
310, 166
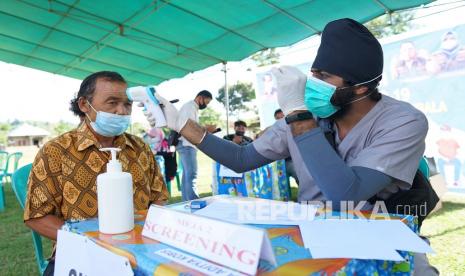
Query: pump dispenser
115, 198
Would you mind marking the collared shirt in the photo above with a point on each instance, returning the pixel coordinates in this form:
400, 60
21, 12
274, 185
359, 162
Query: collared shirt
64, 173
189, 110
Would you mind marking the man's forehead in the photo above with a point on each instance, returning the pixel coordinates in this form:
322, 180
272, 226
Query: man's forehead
111, 88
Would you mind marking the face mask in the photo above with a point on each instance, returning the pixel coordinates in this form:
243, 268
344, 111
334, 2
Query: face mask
109, 124
240, 133
318, 96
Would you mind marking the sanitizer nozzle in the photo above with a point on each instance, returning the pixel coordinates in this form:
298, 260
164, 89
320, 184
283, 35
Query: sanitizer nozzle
113, 165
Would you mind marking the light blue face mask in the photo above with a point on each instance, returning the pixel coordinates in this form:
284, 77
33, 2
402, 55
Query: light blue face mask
109, 124
318, 95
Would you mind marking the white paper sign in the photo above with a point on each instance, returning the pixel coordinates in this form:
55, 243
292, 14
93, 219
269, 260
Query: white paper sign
77, 255
227, 172
71, 254
236, 246
360, 239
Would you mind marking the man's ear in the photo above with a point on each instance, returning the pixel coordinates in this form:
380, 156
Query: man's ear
83, 105
360, 90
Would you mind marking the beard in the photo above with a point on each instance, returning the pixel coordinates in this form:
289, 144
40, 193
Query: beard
341, 99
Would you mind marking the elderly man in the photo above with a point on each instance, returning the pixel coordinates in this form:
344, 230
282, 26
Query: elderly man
62, 184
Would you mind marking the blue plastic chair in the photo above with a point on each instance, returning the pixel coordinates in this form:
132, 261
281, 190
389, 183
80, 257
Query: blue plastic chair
6, 173
11, 166
424, 167
3, 166
3, 159
19, 184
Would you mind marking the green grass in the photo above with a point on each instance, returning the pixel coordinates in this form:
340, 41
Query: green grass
446, 230
16, 249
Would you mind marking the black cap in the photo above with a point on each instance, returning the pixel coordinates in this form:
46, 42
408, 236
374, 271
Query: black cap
349, 50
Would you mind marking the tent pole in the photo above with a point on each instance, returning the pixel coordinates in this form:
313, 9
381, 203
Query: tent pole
226, 94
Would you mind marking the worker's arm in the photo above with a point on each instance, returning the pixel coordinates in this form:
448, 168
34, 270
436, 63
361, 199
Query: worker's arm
393, 154
46, 226
233, 156
271, 146
336, 180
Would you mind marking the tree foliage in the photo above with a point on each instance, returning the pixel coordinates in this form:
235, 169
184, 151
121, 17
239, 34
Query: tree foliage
209, 116
4, 129
62, 127
391, 24
266, 57
239, 94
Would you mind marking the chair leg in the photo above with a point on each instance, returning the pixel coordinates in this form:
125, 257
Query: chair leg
2, 198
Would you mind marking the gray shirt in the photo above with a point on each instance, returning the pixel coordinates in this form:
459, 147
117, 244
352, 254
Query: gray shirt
389, 139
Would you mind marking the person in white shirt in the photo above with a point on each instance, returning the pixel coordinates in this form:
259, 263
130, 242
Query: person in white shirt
187, 151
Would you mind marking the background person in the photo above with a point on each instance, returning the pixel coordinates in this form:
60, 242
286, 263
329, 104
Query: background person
240, 127
187, 151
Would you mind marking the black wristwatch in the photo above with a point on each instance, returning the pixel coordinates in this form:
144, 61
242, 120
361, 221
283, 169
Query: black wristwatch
299, 117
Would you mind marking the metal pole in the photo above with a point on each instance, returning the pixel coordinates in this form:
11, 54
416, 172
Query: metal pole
226, 94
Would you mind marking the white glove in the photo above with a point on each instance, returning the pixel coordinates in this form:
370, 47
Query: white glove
290, 83
173, 120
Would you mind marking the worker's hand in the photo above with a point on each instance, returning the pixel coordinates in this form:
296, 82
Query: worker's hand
170, 112
290, 83
148, 115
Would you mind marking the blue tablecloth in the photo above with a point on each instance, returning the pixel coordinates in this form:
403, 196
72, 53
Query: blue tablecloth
292, 257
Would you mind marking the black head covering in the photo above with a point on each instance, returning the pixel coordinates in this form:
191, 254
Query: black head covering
350, 51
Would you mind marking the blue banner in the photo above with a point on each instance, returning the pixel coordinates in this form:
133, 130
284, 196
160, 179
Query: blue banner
428, 71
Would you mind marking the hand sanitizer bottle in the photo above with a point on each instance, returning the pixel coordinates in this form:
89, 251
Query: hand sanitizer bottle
115, 198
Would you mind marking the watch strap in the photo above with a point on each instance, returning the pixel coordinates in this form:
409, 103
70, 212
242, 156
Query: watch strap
299, 117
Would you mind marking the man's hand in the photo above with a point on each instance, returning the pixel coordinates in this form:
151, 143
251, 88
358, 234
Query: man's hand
290, 83
210, 128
